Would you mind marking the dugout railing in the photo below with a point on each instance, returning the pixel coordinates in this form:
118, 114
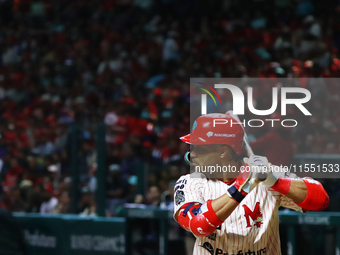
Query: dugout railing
71, 234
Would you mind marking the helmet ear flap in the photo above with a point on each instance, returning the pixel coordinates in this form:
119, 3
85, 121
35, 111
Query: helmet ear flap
187, 157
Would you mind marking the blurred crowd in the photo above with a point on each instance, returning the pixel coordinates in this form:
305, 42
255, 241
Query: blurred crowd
128, 63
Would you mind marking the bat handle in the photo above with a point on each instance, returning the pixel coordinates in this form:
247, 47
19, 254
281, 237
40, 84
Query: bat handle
261, 176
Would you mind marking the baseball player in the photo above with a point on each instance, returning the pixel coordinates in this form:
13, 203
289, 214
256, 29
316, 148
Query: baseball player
236, 214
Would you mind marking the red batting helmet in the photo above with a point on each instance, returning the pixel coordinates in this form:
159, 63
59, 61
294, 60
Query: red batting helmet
216, 128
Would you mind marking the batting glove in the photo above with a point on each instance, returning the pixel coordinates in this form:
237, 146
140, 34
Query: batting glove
265, 172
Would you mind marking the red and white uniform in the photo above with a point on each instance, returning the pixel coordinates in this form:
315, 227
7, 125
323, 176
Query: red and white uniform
251, 229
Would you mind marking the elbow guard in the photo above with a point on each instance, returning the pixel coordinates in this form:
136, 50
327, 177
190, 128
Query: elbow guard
200, 219
317, 198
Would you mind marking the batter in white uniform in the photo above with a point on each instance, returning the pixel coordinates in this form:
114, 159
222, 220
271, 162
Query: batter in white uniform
231, 212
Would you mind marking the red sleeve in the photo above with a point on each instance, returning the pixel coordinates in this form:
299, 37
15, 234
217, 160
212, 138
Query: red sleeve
317, 198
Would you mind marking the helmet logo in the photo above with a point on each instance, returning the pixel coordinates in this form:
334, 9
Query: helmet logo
194, 126
209, 134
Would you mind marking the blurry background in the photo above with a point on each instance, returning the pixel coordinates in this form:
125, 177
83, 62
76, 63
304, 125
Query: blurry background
67, 67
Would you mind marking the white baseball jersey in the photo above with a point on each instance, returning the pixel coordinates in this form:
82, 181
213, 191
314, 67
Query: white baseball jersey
251, 229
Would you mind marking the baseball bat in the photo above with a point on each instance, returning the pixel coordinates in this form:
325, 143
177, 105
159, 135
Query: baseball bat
259, 176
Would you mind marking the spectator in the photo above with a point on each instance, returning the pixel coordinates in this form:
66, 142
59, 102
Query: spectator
63, 206
87, 203
49, 202
54, 176
154, 197
13, 175
117, 188
92, 184
170, 47
18, 204
167, 198
53, 75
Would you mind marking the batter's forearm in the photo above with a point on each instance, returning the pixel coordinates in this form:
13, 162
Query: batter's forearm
297, 191
223, 206
309, 194
245, 181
